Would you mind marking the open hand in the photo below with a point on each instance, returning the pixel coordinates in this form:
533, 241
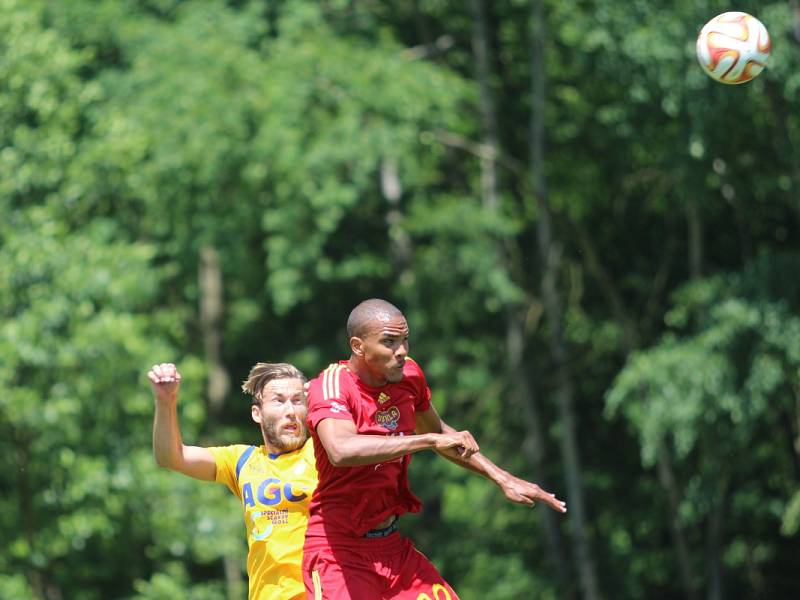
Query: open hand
524, 492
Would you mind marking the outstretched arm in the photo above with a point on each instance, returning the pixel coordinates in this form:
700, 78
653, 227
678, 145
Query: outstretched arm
348, 448
515, 489
168, 447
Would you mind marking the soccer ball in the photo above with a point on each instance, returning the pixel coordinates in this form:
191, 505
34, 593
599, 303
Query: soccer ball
733, 47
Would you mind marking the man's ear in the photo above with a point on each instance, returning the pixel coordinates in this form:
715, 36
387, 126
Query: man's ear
255, 413
357, 346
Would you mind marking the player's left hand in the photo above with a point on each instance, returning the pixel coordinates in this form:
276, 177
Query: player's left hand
524, 492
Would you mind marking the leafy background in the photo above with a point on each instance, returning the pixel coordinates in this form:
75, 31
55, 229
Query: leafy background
595, 244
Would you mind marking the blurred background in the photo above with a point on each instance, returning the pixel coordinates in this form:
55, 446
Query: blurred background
595, 244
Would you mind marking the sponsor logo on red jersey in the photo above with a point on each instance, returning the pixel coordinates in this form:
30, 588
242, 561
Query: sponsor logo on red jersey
388, 418
338, 407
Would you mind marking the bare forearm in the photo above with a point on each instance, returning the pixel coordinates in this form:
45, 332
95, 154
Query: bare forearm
515, 489
358, 450
167, 442
477, 463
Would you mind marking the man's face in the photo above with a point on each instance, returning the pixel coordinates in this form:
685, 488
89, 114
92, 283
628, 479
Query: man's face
385, 348
282, 415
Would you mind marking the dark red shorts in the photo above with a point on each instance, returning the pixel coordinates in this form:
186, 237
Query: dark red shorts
371, 569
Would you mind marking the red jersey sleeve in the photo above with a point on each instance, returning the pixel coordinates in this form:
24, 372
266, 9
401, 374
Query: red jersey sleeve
328, 397
422, 401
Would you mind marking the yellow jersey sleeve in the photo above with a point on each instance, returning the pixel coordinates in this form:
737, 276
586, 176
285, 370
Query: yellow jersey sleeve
230, 461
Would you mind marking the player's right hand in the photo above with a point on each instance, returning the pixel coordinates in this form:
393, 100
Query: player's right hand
460, 440
165, 381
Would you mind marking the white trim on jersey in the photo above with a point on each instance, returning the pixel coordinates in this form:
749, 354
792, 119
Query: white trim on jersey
330, 382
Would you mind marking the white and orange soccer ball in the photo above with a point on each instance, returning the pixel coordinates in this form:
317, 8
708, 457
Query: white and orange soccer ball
733, 47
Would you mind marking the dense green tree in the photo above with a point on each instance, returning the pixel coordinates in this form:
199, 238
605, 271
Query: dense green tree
718, 396
546, 188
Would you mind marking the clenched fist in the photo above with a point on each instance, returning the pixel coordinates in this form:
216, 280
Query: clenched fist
165, 380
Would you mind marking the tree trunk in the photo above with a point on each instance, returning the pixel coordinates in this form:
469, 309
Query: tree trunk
665, 474
481, 49
667, 480
794, 428
550, 259
796, 20
695, 225
534, 443
612, 295
533, 447
392, 190
211, 303
423, 31
716, 590
234, 582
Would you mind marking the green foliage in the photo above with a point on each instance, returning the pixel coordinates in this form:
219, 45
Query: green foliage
713, 395
791, 518
135, 134
75, 340
173, 583
318, 91
41, 104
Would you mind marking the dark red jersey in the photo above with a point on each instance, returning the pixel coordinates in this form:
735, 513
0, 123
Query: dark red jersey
349, 501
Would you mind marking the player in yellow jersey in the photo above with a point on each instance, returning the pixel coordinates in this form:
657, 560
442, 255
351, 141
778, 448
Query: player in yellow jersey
274, 481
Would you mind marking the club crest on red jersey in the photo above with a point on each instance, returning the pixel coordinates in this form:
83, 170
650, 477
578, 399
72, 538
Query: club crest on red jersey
384, 397
388, 418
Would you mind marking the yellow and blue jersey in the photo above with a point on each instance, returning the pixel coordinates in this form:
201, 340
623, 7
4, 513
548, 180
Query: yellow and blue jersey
275, 491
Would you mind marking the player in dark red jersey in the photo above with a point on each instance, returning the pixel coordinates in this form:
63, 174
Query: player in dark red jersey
367, 415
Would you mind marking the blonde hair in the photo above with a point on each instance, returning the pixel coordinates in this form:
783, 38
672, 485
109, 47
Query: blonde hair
262, 373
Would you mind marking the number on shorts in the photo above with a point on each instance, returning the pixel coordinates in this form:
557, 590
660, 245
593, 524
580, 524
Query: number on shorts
439, 593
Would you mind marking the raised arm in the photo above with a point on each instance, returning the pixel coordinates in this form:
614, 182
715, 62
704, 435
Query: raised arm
347, 448
515, 489
168, 447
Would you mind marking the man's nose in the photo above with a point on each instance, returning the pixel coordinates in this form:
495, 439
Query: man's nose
292, 410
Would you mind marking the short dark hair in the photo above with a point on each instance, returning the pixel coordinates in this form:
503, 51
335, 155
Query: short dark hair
262, 373
366, 312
